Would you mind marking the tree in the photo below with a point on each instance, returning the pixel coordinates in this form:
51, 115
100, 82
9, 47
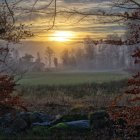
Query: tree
56, 62
27, 58
38, 65
89, 48
132, 18
134, 83
133, 39
48, 56
38, 59
65, 57
9, 32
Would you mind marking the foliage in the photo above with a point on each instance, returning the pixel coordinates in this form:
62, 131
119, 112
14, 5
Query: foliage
7, 86
9, 32
134, 83
131, 112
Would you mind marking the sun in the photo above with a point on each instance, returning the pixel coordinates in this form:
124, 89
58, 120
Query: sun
62, 36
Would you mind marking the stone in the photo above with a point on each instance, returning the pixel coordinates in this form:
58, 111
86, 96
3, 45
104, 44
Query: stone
25, 116
35, 117
69, 118
42, 124
80, 124
59, 126
6, 131
40, 130
73, 125
18, 125
40, 118
6, 120
44, 117
99, 120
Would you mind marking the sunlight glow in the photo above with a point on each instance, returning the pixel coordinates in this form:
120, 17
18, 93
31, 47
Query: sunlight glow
62, 36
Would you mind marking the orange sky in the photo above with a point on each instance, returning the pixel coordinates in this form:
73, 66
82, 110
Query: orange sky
40, 20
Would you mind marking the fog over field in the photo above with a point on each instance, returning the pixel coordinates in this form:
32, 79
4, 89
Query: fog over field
86, 56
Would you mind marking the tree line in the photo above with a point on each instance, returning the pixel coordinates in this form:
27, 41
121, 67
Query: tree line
98, 56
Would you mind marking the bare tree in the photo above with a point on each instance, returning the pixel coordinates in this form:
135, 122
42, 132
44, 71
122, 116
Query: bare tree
48, 56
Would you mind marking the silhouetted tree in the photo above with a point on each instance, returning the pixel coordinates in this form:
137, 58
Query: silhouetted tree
56, 62
27, 58
48, 56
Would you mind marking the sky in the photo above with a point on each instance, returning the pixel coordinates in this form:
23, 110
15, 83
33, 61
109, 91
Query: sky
39, 19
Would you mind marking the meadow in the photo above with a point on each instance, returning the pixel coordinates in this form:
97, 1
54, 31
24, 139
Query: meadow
71, 89
70, 78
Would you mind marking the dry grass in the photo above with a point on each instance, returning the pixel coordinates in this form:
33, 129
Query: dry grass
61, 103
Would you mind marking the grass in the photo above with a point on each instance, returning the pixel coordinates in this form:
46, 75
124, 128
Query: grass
51, 78
63, 91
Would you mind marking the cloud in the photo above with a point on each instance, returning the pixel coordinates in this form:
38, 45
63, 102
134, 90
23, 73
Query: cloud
85, 1
40, 20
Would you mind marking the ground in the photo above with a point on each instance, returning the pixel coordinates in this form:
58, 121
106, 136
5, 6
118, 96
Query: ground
70, 78
59, 92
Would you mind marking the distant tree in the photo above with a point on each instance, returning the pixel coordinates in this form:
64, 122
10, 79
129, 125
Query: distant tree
56, 62
38, 59
27, 58
48, 56
79, 54
65, 57
89, 48
38, 65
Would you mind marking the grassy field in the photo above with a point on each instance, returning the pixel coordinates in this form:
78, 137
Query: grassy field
51, 78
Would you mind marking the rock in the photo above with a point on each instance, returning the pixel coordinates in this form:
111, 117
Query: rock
59, 126
32, 118
18, 125
40, 117
80, 124
99, 119
40, 130
44, 117
6, 131
25, 116
14, 127
41, 124
21, 121
73, 125
99, 115
6, 120
70, 117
